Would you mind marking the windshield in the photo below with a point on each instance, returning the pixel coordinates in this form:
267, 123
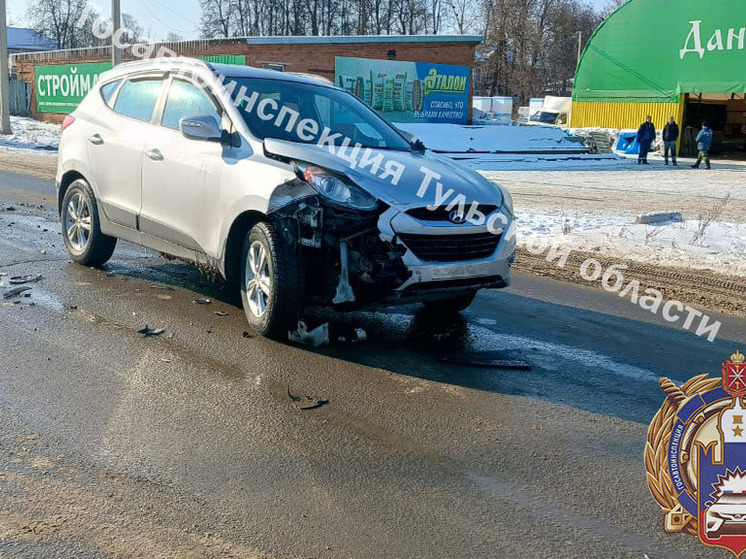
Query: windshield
545, 117
342, 113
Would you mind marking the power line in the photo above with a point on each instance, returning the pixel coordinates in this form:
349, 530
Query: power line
182, 16
159, 20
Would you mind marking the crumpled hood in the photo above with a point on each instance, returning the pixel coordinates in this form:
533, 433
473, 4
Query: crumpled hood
460, 180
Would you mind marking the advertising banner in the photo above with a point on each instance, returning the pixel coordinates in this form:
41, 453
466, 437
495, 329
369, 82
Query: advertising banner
655, 51
61, 88
407, 91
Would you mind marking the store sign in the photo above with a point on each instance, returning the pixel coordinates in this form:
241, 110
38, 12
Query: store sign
407, 91
657, 51
60, 89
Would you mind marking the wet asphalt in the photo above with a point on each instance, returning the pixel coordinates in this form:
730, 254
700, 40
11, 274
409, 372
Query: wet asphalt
411, 456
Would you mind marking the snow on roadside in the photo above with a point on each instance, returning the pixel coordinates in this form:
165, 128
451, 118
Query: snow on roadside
720, 248
32, 134
457, 138
490, 163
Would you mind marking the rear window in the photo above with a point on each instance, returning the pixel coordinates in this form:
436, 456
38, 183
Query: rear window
137, 98
108, 90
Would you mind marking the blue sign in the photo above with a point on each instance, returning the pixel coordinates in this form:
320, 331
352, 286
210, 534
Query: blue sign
407, 91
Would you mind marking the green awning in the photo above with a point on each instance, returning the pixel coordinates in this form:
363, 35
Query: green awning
655, 50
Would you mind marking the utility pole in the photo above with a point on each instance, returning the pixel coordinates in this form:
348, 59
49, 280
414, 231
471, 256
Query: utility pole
4, 71
116, 19
580, 47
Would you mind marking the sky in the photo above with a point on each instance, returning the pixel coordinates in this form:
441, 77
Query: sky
157, 17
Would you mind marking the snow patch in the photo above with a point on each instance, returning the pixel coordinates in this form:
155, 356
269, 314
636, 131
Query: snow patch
720, 247
32, 134
456, 138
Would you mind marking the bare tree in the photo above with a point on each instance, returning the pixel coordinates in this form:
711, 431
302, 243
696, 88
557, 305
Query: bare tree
57, 19
531, 46
611, 7
217, 18
463, 16
135, 32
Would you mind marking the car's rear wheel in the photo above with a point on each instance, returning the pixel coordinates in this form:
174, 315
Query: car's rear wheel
271, 282
81, 229
452, 305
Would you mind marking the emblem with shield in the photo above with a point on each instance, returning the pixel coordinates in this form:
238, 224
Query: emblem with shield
696, 457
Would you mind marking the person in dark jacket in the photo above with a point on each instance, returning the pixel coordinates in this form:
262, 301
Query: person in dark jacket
704, 143
645, 137
670, 137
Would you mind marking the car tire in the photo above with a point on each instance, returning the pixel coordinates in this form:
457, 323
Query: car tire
81, 228
271, 282
453, 305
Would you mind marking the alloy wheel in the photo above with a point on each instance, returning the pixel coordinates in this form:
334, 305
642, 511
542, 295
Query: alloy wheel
258, 279
78, 222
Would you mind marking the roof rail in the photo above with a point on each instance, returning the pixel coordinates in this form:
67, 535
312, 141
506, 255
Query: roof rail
181, 60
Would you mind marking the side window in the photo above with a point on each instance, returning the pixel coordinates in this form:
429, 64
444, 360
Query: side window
137, 98
107, 91
186, 100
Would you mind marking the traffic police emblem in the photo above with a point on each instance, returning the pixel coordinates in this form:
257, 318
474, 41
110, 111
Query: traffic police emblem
695, 457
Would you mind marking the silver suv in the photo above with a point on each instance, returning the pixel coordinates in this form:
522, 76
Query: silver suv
292, 189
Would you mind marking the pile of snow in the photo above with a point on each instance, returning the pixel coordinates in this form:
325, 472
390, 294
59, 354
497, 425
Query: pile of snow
32, 134
720, 247
491, 162
457, 138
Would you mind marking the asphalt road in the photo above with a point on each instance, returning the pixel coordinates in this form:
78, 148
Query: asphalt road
190, 444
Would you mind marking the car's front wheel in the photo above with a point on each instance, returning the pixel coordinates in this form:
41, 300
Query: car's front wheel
81, 230
271, 282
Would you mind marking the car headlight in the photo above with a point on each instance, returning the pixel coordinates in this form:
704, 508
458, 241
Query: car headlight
507, 198
335, 189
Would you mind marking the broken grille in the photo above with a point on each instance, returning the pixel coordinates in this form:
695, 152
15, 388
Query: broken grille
442, 213
451, 248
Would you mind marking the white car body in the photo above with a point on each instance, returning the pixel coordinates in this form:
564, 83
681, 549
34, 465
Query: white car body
160, 187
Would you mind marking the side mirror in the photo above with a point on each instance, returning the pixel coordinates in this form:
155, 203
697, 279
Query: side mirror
413, 140
204, 128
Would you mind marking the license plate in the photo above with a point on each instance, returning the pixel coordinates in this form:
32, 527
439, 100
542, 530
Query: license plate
461, 271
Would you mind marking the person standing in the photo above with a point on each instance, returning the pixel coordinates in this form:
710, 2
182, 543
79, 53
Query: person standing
704, 143
670, 137
645, 137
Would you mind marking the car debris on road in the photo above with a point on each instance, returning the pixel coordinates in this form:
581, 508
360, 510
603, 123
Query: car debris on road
148, 332
15, 291
316, 337
356, 336
19, 280
306, 402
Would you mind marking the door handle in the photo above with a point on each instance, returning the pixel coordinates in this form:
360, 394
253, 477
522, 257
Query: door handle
96, 139
154, 154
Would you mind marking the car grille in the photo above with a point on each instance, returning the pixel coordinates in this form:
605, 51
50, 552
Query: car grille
451, 248
442, 213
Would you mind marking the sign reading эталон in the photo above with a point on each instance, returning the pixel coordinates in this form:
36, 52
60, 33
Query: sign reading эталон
407, 91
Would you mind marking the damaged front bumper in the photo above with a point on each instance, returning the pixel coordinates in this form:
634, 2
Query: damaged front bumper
444, 258
354, 259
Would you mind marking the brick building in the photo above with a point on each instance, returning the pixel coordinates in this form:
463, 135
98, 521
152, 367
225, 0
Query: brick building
306, 54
